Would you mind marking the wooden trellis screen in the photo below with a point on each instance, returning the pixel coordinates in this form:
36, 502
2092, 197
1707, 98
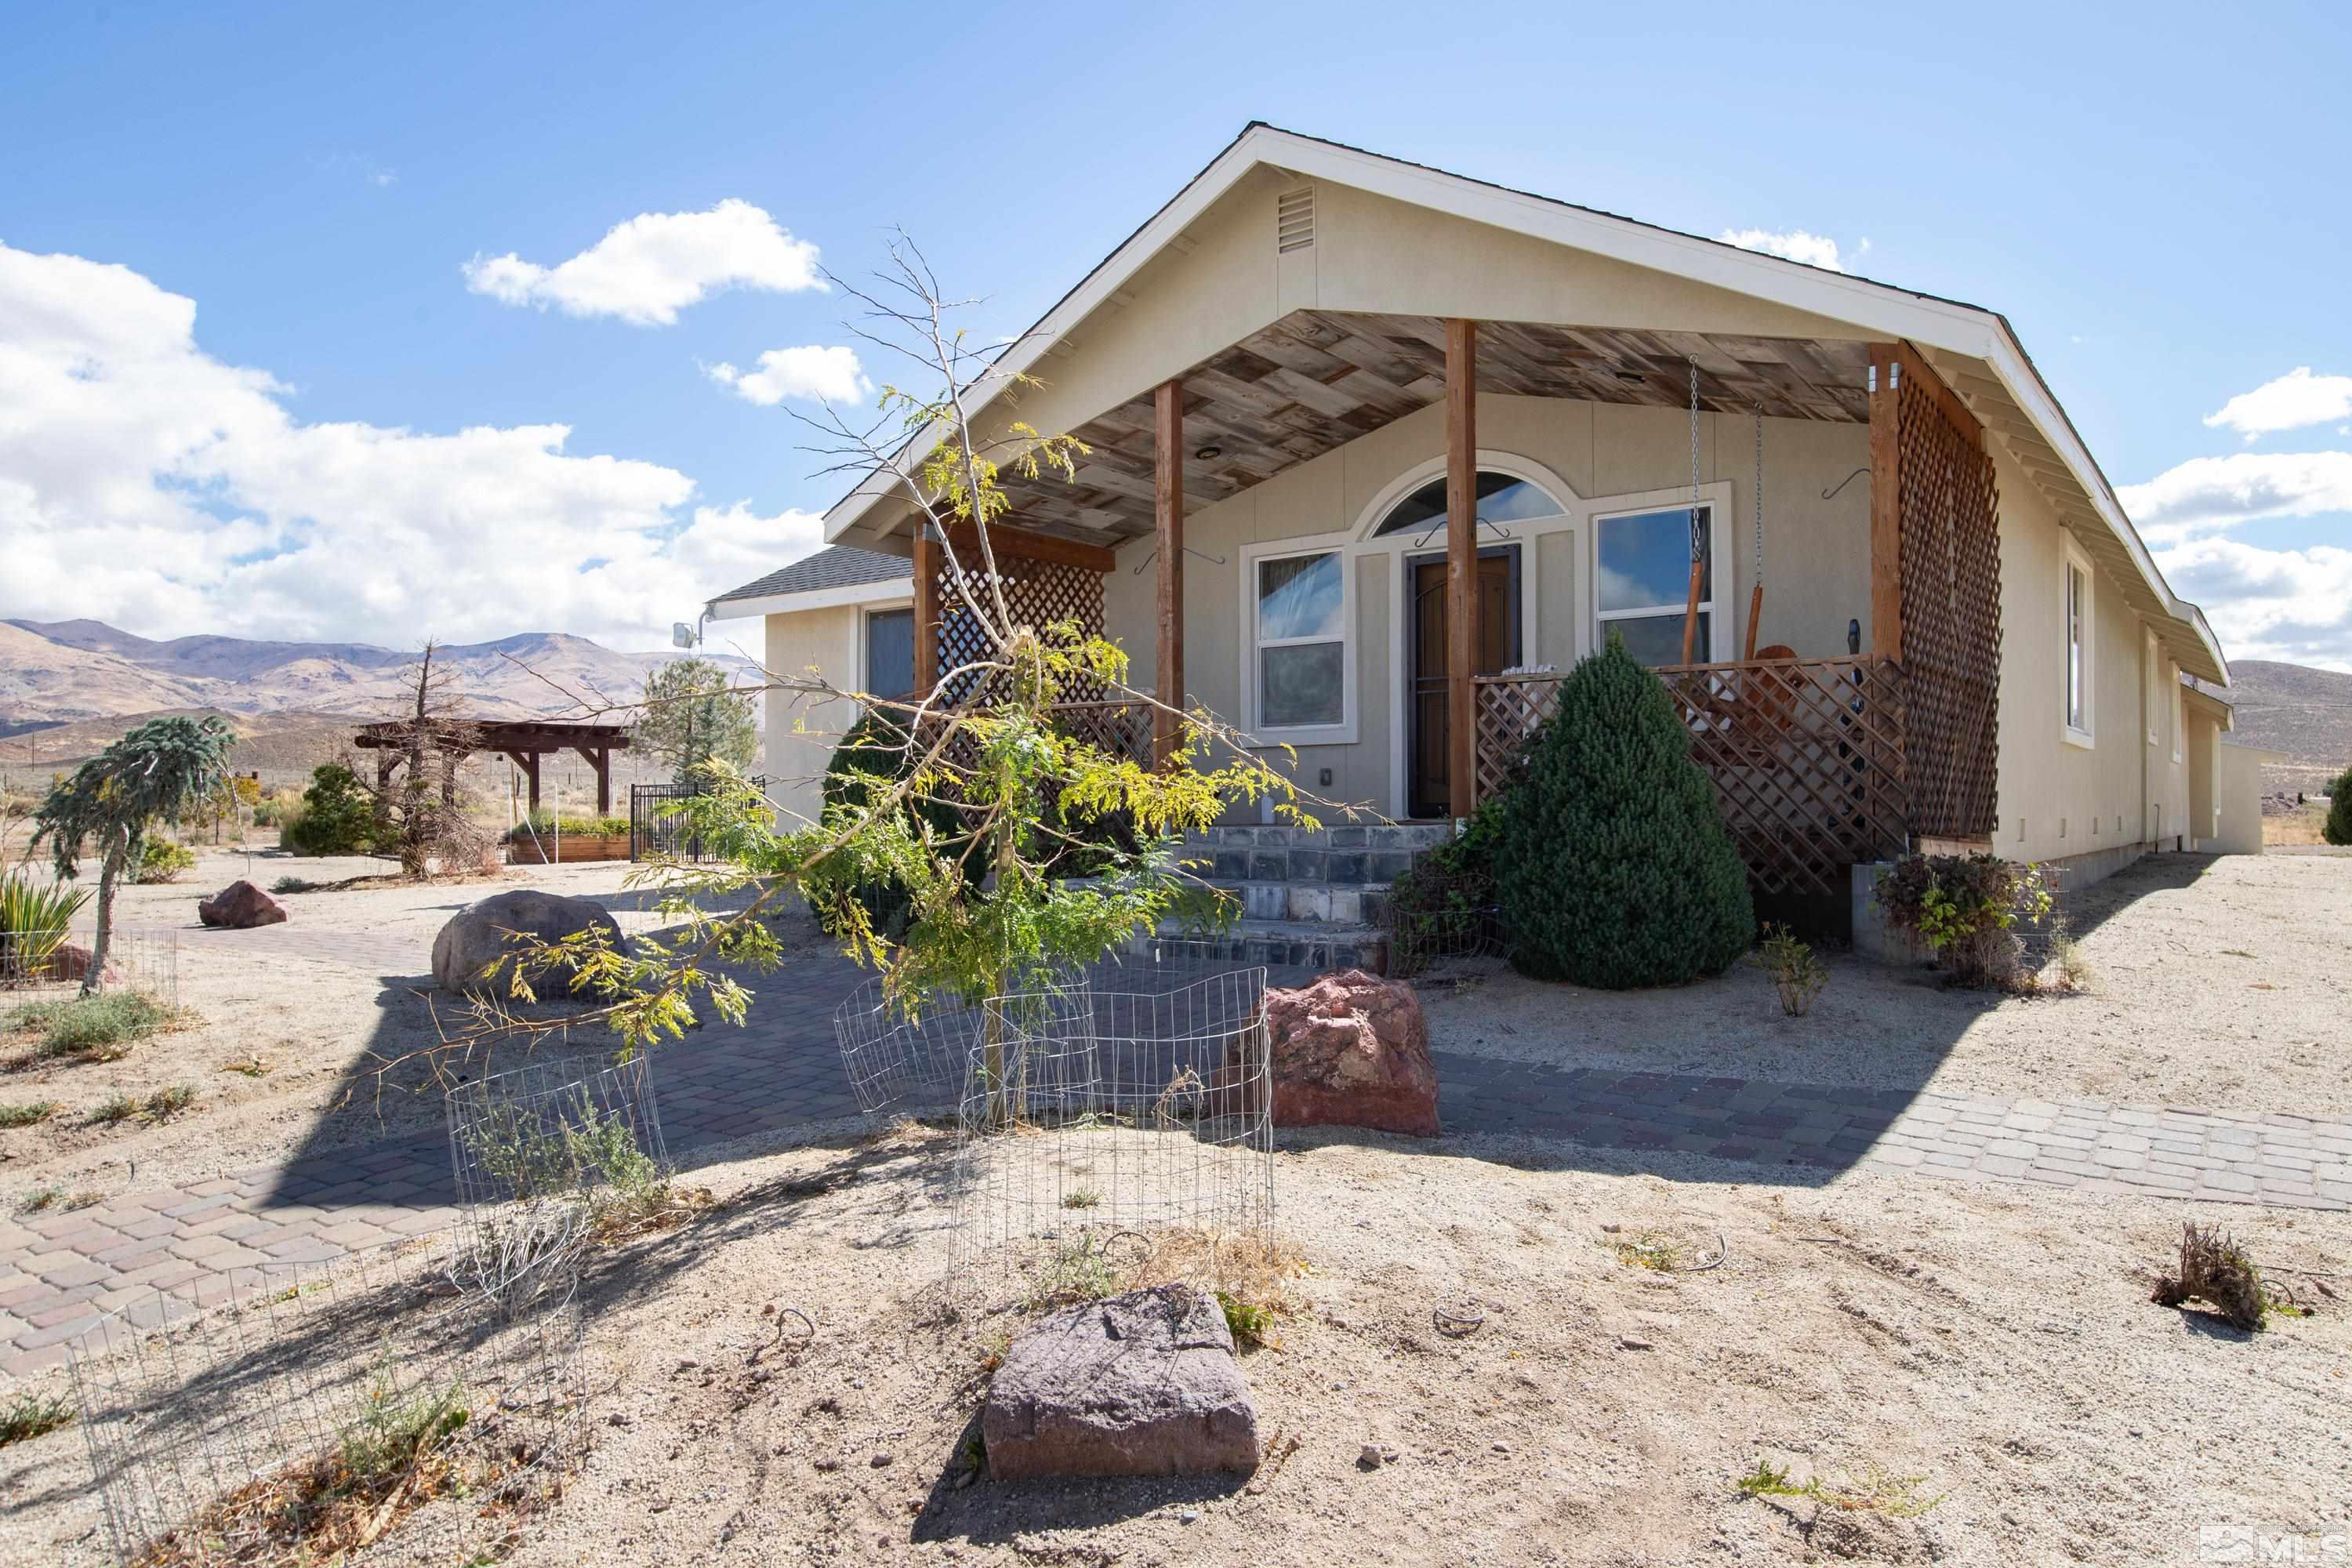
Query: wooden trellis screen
1039, 592
1947, 507
1807, 757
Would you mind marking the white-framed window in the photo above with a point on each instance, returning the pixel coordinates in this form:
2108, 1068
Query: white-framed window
1641, 581
890, 651
2078, 632
2152, 701
1298, 618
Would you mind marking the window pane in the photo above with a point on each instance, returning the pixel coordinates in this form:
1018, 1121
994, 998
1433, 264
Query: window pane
1658, 639
1501, 499
1298, 597
1645, 559
890, 653
1301, 684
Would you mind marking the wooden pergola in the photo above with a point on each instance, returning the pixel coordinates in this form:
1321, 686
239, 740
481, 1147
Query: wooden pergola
522, 740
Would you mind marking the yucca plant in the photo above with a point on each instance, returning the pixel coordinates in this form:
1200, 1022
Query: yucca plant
35, 916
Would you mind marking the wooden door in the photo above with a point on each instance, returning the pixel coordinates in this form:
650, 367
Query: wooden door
1427, 772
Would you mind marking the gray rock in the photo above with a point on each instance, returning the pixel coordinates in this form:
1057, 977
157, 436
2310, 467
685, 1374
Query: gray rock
475, 941
1141, 1385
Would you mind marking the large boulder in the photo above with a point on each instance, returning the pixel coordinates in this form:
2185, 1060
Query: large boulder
1141, 1385
1351, 1050
475, 951
240, 906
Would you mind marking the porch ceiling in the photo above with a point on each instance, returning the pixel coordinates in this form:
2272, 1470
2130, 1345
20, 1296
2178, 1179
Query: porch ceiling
1316, 380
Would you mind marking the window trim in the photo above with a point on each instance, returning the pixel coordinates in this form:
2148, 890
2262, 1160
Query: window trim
1716, 499
2072, 559
1346, 732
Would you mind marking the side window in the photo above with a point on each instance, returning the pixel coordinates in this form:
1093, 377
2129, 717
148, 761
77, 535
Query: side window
890, 652
1642, 585
1301, 642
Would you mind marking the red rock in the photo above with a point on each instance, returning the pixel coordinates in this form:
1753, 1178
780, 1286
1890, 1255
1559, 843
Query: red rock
240, 906
1352, 1050
72, 962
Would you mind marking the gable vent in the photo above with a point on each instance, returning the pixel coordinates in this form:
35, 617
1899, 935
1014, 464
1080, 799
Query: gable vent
1293, 220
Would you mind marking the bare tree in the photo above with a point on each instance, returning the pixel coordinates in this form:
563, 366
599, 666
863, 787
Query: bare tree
418, 815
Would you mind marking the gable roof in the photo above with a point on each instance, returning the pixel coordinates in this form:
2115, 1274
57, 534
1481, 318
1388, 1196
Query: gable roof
2016, 406
838, 566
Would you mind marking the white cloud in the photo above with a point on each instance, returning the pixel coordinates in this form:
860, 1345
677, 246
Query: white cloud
830, 374
2207, 494
1796, 245
145, 483
2291, 605
647, 269
2293, 400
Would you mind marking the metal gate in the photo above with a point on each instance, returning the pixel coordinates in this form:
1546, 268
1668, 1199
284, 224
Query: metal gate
654, 833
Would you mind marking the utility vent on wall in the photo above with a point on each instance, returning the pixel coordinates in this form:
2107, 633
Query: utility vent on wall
1293, 220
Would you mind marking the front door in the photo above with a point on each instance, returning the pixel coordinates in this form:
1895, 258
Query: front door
1428, 778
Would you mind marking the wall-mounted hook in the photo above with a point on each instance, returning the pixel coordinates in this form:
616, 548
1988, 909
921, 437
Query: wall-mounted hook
1145, 564
1438, 527
1831, 493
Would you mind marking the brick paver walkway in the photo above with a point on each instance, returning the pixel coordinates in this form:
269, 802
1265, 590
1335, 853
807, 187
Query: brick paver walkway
58, 1271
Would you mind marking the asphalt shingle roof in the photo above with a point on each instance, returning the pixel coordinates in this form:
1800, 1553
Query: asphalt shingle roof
839, 566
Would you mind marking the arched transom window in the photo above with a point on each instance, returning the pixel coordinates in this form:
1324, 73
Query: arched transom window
1502, 498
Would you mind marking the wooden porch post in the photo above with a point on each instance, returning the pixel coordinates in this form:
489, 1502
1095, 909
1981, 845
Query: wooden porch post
529, 763
1460, 564
1167, 536
1885, 505
601, 760
927, 610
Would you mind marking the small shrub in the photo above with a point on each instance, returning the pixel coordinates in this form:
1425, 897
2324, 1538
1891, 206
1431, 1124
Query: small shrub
1796, 971
32, 1414
394, 1430
36, 916
1962, 908
337, 815
115, 1108
253, 1066
2338, 829
1082, 1198
1250, 1323
293, 885
165, 1103
31, 1114
96, 1029
162, 860
545, 823
40, 1199
1075, 1273
1875, 1491
2216, 1270
1613, 868
2066, 954
1444, 907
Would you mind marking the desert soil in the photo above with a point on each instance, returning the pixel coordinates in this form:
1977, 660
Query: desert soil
1996, 1343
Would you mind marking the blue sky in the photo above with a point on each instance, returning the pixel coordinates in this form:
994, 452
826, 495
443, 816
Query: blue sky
350, 440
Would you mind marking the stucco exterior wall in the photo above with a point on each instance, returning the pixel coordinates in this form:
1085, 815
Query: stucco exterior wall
2204, 731
2059, 800
1817, 552
802, 733
2237, 799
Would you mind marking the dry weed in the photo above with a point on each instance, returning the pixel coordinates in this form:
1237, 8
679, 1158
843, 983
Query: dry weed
2216, 1270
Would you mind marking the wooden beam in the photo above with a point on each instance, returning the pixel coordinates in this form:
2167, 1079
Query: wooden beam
1460, 564
529, 763
1019, 544
1168, 533
1915, 364
927, 610
601, 760
1885, 505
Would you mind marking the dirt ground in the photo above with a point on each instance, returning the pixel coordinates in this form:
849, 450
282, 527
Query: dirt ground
1997, 1343
2217, 981
318, 1027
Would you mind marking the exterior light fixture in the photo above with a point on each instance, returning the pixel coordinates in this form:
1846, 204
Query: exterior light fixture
1205, 453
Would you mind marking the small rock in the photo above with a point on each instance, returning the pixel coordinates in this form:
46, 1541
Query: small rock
1502, 1447
1628, 1343
828, 1466
1188, 1516
1369, 1458
1611, 1229
966, 1479
620, 1418
880, 1461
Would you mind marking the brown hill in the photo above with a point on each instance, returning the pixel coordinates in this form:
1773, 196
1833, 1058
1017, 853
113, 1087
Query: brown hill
2304, 714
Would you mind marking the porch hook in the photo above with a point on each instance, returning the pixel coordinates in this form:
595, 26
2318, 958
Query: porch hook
1154, 554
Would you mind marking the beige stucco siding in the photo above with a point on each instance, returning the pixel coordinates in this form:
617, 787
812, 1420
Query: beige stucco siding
802, 733
2204, 731
2237, 799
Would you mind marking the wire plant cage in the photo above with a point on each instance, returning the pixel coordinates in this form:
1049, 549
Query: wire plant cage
216, 1415
51, 964
550, 1132
1091, 1114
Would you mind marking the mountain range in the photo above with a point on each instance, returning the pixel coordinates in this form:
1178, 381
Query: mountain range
60, 671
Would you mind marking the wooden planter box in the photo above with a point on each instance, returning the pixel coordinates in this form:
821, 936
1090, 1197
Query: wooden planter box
572, 846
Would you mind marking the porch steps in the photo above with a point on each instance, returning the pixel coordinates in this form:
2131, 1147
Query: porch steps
1309, 896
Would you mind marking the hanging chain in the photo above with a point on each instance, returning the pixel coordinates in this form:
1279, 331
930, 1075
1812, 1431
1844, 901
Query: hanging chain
1698, 543
1759, 492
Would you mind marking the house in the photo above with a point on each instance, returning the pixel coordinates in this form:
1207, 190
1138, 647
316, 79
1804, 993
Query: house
1378, 450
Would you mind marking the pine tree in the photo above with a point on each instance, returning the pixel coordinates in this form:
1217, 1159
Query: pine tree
2338, 829
1614, 870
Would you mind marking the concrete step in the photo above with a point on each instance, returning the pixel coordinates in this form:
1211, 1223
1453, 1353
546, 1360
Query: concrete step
1339, 865
1297, 944
1322, 903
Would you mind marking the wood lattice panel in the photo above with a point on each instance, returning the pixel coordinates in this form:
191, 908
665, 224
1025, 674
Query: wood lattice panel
1038, 594
1950, 504
1316, 380
1807, 758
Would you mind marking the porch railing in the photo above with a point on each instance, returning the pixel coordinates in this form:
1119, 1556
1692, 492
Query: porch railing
1806, 755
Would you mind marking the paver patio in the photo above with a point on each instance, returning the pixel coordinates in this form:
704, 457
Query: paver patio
63, 1271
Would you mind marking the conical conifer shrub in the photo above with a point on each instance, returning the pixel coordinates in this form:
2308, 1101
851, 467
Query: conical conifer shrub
1614, 870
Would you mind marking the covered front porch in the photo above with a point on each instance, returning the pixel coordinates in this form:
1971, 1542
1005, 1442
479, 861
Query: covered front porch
1384, 539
